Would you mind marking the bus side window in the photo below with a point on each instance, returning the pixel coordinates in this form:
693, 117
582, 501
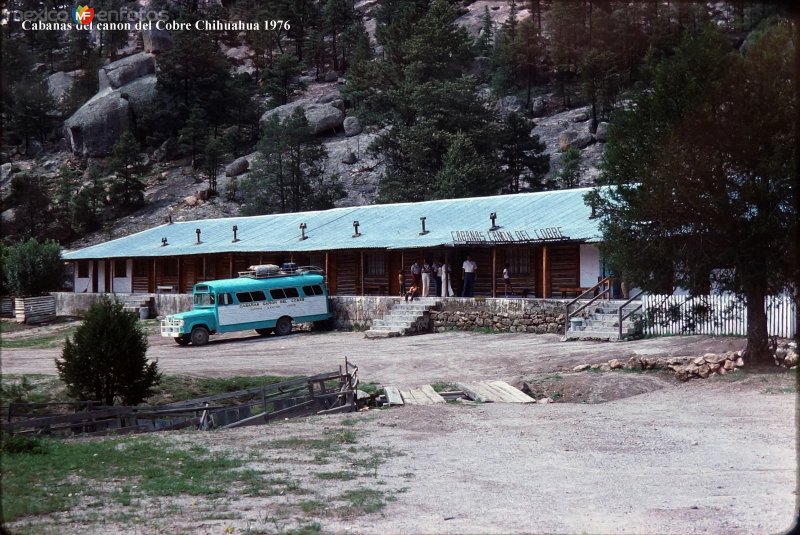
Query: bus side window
258, 295
291, 292
224, 299
318, 289
308, 291
244, 297
278, 293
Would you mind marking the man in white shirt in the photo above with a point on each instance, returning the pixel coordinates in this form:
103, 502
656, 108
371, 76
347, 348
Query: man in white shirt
469, 267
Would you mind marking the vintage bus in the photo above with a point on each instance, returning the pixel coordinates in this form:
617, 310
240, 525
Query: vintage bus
265, 298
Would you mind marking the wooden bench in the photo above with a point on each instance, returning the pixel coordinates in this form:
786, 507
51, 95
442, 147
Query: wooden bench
570, 289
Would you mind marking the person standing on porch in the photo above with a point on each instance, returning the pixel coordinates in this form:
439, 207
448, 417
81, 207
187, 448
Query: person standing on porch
401, 280
469, 267
436, 270
426, 278
416, 273
507, 279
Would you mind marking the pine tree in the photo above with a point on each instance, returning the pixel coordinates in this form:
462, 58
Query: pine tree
289, 173
31, 215
521, 155
213, 162
106, 359
194, 134
570, 172
702, 165
464, 172
280, 80
127, 190
485, 42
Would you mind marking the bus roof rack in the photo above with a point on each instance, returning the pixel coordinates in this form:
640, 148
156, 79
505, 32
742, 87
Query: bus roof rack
265, 271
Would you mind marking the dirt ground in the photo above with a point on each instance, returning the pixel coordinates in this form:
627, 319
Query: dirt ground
632, 452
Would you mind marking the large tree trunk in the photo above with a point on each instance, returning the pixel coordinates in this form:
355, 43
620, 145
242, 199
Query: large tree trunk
757, 351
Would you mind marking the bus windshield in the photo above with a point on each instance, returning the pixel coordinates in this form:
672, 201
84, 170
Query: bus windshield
203, 299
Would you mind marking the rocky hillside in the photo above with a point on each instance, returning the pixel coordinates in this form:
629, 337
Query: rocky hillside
131, 83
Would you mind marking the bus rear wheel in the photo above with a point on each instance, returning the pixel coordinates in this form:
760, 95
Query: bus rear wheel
183, 340
283, 326
264, 332
199, 336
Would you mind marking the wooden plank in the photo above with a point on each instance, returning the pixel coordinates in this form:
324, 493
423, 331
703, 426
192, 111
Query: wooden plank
474, 392
517, 395
410, 397
432, 395
393, 395
497, 394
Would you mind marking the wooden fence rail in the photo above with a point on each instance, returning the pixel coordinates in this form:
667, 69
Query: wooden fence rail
715, 315
322, 393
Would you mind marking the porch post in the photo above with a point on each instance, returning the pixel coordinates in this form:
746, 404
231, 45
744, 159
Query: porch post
545, 272
494, 271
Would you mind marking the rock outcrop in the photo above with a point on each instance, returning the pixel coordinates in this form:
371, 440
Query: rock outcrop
118, 73
323, 118
59, 83
156, 41
237, 167
98, 124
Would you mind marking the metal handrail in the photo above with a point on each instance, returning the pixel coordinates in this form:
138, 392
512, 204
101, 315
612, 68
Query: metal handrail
594, 288
626, 316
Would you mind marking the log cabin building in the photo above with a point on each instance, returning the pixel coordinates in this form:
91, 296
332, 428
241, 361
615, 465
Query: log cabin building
548, 238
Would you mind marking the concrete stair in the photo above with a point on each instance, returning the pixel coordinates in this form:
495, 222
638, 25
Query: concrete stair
403, 319
602, 323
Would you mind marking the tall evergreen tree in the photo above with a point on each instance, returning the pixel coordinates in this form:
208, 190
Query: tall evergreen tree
704, 171
289, 173
127, 189
521, 155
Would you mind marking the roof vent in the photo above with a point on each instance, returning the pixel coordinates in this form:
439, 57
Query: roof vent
356, 233
164, 241
197, 231
422, 220
303, 232
493, 217
235, 229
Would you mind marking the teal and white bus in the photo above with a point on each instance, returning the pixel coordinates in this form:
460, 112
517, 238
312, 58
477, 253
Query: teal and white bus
265, 298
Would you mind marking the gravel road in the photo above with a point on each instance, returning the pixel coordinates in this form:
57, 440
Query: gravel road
414, 360
713, 456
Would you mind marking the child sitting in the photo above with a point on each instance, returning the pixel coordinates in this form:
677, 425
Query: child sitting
412, 292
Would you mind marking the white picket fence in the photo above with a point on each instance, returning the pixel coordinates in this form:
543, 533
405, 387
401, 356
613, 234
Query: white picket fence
714, 314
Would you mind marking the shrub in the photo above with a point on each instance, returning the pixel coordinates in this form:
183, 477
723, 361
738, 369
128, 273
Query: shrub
106, 358
31, 268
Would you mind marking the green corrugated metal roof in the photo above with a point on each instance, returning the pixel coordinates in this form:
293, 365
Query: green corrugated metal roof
384, 226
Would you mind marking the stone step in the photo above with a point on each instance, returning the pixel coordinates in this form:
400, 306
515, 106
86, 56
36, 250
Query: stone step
593, 335
381, 334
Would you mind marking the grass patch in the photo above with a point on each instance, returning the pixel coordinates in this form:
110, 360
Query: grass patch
306, 529
46, 341
179, 387
780, 390
341, 475
311, 506
36, 483
444, 387
31, 388
370, 388
553, 377
11, 327
363, 500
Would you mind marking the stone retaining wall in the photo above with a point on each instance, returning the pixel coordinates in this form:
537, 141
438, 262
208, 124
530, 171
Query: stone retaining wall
357, 312
503, 315
72, 304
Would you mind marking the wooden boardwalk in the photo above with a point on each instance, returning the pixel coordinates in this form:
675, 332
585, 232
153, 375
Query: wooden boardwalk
483, 391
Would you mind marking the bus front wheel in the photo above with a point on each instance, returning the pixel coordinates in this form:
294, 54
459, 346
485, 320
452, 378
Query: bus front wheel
199, 336
283, 326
